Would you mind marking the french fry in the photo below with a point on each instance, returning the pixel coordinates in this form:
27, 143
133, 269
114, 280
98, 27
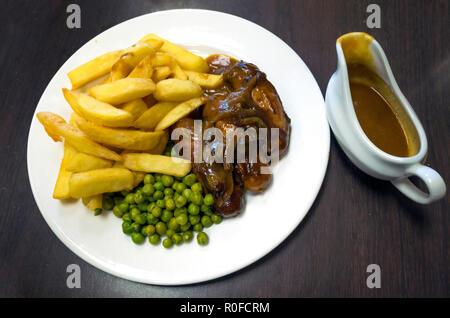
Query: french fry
144, 69
145, 162
162, 59
120, 138
179, 112
93, 69
156, 43
138, 176
83, 162
184, 58
96, 111
62, 190
136, 107
205, 80
89, 183
161, 73
123, 90
161, 146
178, 72
130, 60
107, 80
176, 90
120, 70
75, 137
93, 202
152, 116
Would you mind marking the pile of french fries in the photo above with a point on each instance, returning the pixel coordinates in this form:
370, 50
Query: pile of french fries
119, 128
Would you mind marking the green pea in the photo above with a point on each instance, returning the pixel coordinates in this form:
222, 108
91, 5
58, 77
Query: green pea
179, 211
166, 215
124, 193
150, 206
193, 209
123, 207
205, 209
158, 195
170, 233
177, 239
175, 185
161, 228
197, 198
198, 227
157, 211
117, 212
137, 238
173, 224
134, 213
136, 227
118, 200
182, 219
187, 193
151, 219
154, 239
176, 195
126, 228
148, 189
129, 198
132, 206
142, 207
158, 186
166, 180
194, 219
127, 217
149, 179
202, 238
161, 203
141, 219
170, 204
197, 187
148, 230
180, 201
208, 199
107, 203
97, 211
167, 243
188, 236
180, 187
167, 153
139, 198
168, 192
157, 177
216, 218
185, 227
190, 179
206, 221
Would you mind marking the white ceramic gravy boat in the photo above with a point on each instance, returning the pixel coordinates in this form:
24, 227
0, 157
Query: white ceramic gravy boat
362, 48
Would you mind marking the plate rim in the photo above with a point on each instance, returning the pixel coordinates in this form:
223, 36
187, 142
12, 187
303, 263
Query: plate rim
102, 264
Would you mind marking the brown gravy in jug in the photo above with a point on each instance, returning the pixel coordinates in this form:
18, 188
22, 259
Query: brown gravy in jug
378, 119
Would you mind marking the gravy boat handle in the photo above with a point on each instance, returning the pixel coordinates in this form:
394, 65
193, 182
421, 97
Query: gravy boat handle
432, 179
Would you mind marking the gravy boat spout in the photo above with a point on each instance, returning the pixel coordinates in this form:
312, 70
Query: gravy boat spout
359, 50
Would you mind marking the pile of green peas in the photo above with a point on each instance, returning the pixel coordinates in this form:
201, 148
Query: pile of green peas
164, 208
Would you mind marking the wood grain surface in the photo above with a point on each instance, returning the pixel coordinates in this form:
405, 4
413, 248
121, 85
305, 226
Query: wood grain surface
355, 221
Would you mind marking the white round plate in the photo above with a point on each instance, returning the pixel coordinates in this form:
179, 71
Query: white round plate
268, 218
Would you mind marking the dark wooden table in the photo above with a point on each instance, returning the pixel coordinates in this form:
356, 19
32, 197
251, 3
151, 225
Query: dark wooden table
355, 221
